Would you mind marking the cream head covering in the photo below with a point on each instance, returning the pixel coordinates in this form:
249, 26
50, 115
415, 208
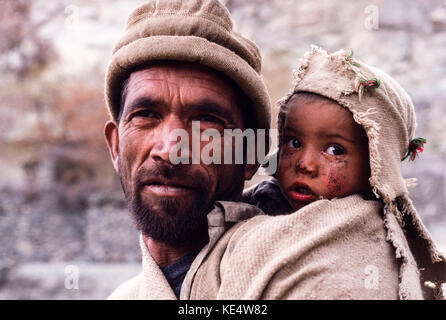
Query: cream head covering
386, 112
199, 31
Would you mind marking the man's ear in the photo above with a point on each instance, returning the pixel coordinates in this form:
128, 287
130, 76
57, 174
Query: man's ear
112, 138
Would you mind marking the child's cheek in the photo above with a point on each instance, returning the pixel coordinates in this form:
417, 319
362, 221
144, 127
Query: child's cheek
285, 168
334, 179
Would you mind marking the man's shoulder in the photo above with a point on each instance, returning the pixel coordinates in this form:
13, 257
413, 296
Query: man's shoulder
129, 290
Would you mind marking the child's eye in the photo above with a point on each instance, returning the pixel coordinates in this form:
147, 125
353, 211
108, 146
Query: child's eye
294, 143
335, 150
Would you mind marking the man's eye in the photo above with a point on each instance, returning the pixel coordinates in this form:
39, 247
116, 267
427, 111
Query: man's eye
145, 114
335, 150
294, 143
210, 118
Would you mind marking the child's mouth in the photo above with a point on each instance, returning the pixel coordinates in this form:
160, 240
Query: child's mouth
301, 192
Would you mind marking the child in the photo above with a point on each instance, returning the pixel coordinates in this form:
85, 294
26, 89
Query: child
323, 155
343, 130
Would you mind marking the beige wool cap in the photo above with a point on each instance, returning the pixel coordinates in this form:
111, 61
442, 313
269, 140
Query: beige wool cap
386, 113
198, 31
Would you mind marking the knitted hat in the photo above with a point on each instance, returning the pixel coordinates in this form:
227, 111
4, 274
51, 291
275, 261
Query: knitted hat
199, 31
385, 111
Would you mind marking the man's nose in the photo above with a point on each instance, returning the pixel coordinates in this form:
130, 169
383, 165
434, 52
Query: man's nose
166, 138
307, 163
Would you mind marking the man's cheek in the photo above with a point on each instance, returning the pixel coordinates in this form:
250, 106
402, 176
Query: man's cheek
126, 160
225, 179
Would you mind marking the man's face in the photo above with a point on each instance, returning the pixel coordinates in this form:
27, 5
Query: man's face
169, 202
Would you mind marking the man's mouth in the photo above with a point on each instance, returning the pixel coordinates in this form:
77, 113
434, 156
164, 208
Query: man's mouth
166, 188
300, 192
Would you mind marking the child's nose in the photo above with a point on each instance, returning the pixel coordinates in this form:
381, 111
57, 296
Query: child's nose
307, 163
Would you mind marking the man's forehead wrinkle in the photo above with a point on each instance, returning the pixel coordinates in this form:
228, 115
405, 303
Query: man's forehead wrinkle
192, 73
139, 92
159, 97
154, 93
202, 83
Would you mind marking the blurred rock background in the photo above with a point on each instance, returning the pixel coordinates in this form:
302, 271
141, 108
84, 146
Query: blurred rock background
62, 213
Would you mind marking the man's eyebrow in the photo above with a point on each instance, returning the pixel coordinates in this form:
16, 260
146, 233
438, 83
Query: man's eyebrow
209, 106
141, 102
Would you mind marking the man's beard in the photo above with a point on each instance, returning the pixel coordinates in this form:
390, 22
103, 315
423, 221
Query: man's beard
172, 220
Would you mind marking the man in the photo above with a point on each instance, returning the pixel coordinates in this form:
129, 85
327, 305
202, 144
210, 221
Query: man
177, 64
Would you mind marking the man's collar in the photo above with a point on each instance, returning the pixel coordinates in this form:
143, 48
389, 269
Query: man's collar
224, 215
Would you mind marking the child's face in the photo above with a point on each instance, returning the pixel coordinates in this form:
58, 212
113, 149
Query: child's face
324, 153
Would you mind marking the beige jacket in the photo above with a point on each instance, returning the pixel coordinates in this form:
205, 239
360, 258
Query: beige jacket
334, 249
338, 249
151, 284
